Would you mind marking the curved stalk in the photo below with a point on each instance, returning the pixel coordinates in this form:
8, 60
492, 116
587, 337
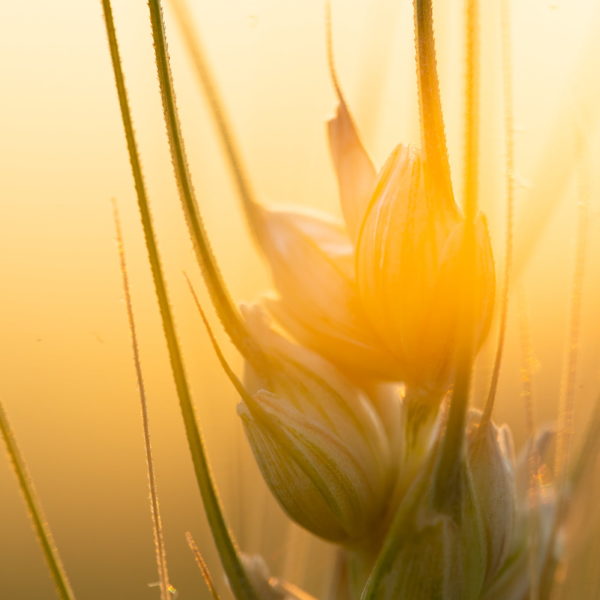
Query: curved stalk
232, 565
34, 508
432, 122
214, 281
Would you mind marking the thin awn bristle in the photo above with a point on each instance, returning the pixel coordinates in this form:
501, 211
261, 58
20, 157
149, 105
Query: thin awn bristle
195, 49
34, 507
507, 80
204, 571
157, 531
472, 109
237, 384
527, 362
533, 459
222, 536
263, 517
569, 375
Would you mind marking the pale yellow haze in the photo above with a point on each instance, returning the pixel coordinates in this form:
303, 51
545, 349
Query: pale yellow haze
66, 375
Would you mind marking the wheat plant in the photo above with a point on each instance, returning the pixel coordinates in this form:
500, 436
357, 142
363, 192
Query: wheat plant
371, 374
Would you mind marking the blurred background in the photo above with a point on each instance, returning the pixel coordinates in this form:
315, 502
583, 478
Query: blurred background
66, 372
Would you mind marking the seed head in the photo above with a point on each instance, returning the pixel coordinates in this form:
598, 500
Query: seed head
413, 274
312, 263
432, 552
320, 445
493, 479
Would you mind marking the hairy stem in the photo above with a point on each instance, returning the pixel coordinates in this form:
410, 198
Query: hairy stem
57, 571
202, 566
432, 121
229, 556
219, 295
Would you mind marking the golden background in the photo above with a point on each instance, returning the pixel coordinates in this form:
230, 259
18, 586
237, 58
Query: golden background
66, 373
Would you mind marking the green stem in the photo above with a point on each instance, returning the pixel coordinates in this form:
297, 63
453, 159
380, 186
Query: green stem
214, 281
229, 556
432, 121
36, 514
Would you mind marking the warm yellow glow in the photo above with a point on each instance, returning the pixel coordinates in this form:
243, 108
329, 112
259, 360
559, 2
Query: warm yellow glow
66, 375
